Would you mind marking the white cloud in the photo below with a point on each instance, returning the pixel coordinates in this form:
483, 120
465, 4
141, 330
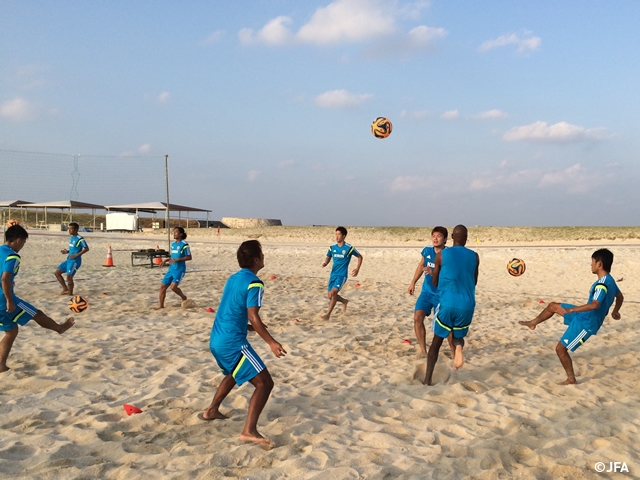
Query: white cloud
489, 115
559, 133
524, 43
286, 164
17, 110
422, 36
408, 183
163, 97
253, 175
450, 114
214, 37
575, 179
145, 148
341, 99
416, 115
412, 10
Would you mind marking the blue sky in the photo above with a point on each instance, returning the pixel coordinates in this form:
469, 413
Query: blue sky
504, 112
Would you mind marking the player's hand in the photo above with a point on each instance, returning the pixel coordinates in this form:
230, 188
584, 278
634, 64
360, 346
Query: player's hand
74, 256
427, 270
64, 252
324, 265
412, 288
615, 315
354, 273
277, 349
561, 311
10, 306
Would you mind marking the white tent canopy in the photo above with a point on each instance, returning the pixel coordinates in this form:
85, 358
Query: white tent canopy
70, 205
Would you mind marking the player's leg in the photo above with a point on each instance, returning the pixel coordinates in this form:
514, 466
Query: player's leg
458, 357
263, 384
333, 299
421, 332
46, 322
225, 387
548, 312
432, 358
166, 281
567, 364
58, 273
70, 284
5, 347
573, 337
343, 301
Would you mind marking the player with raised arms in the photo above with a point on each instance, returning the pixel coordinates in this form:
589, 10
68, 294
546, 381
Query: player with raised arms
428, 299
180, 253
15, 312
240, 305
584, 320
341, 253
77, 247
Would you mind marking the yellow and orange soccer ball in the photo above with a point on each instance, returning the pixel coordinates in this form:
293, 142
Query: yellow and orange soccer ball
78, 304
516, 267
381, 127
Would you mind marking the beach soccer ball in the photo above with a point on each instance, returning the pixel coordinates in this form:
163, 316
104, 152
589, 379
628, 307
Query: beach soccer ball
78, 304
381, 127
516, 267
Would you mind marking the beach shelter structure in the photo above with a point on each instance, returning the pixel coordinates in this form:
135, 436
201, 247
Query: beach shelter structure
155, 207
6, 207
68, 206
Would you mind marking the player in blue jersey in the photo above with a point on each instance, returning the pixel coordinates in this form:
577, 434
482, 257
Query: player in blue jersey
455, 273
341, 253
14, 311
180, 253
584, 320
240, 304
428, 299
77, 247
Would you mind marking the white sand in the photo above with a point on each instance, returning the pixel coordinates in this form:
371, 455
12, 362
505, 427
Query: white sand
348, 400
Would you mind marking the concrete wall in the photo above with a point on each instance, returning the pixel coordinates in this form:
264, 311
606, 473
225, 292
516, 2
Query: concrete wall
250, 222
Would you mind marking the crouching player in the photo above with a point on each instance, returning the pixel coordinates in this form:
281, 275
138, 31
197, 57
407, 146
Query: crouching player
240, 304
584, 320
14, 311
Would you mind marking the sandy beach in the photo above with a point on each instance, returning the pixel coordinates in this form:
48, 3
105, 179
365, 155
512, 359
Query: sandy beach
348, 400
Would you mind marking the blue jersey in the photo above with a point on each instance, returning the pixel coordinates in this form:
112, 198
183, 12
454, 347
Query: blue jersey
77, 243
603, 290
341, 257
242, 291
10, 262
429, 256
179, 250
456, 282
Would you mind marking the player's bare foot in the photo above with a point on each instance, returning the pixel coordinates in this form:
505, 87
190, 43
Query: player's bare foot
344, 305
568, 381
420, 355
4, 369
257, 438
458, 358
212, 415
529, 324
159, 307
67, 325
65, 292
326, 316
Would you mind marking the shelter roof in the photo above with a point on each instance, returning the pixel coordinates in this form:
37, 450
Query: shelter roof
13, 203
153, 207
66, 204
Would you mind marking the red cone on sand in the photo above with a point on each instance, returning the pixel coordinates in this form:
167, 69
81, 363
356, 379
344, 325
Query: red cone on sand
209, 310
131, 409
407, 341
273, 277
296, 320
541, 301
109, 261
157, 260
357, 285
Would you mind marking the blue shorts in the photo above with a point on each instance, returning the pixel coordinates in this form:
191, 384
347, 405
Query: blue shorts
576, 333
173, 277
20, 316
450, 319
337, 282
70, 267
426, 303
242, 363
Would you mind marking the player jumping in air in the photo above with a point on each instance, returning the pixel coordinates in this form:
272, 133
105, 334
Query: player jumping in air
584, 320
341, 253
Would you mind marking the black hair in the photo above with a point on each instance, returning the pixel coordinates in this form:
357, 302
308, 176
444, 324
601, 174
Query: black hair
247, 253
605, 256
75, 225
342, 230
441, 230
183, 234
14, 233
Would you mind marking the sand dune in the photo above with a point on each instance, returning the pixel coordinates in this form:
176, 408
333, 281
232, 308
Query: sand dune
348, 400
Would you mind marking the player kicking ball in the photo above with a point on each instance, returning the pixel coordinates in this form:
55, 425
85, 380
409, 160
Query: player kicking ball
584, 320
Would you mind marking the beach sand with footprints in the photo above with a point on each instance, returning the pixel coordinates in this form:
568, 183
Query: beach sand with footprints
348, 400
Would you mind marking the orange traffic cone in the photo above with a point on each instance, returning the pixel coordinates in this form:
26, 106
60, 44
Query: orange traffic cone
109, 261
157, 260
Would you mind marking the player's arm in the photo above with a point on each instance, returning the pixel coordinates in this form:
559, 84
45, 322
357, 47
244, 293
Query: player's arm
416, 275
355, 271
615, 314
587, 307
7, 290
80, 253
477, 268
435, 275
327, 259
260, 329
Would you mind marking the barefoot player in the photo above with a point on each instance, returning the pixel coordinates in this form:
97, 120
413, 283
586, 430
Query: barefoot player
77, 247
455, 274
341, 253
240, 304
14, 311
428, 299
584, 320
180, 253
